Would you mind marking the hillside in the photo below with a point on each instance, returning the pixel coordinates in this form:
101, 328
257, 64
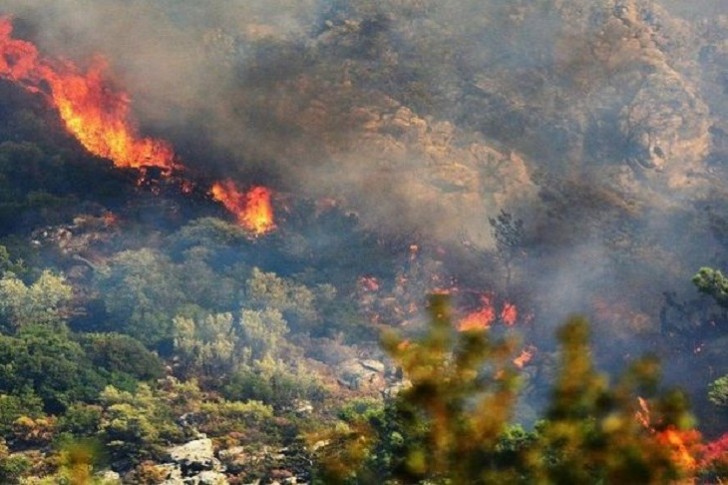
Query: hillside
532, 160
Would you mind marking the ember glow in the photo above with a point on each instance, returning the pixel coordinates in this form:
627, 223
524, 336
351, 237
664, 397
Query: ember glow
252, 209
509, 314
91, 110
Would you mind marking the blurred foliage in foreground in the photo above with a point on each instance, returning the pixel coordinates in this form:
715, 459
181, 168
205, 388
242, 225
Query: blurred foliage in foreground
450, 424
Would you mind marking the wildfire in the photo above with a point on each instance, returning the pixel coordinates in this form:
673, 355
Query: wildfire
93, 112
680, 442
677, 441
483, 317
98, 116
480, 319
252, 209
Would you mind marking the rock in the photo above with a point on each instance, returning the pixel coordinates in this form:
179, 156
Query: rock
194, 457
235, 459
208, 477
302, 407
171, 473
108, 477
359, 374
373, 365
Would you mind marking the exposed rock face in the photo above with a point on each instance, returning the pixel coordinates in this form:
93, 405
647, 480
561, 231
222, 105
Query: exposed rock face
171, 473
109, 477
195, 456
360, 374
667, 127
208, 477
277, 464
665, 122
193, 463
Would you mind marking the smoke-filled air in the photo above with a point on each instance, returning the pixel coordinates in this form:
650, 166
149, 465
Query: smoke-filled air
318, 241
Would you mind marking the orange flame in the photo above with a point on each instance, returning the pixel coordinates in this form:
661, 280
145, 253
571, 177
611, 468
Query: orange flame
480, 319
253, 209
524, 357
99, 117
93, 112
678, 442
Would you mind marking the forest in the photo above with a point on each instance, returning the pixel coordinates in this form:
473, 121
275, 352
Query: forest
368, 242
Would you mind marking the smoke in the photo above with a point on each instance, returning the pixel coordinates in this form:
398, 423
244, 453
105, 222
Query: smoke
429, 117
282, 92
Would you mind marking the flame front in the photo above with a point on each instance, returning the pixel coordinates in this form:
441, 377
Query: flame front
253, 209
98, 116
93, 112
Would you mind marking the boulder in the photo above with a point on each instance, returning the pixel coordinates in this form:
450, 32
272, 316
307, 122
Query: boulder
361, 374
208, 477
195, 457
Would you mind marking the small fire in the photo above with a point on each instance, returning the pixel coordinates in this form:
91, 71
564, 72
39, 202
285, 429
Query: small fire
509, 314
93, 112
253, 209
525, 357
483, 317
110, 219
678, 442
369, 283
480, 319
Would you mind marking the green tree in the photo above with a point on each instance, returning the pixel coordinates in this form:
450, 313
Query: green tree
121, 355
45, 302
718, 391
263, 333
509, 235
136, 426
591, 435
49, 363
141, 294
207, 345
450, 424
713, 283
451, 416
269, 291
13, 467
13, 407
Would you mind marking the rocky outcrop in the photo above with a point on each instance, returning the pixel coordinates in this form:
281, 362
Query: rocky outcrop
193, 463
198, 463
195, 456
365, 375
